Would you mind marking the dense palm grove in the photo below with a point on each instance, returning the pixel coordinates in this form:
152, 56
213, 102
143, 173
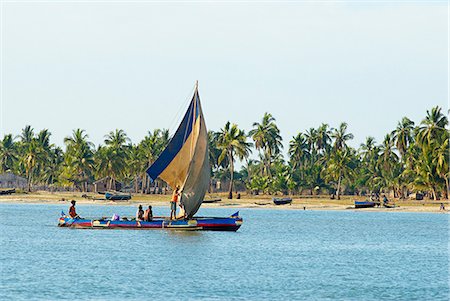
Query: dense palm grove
412, 158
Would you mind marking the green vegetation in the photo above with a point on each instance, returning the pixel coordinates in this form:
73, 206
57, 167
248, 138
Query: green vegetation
409, 159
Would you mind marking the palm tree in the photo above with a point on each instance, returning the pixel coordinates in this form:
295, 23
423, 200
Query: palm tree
33, 155
341, 137
403, 135
51, 170
340, 166
298, 150
427, 176
79, 158
134, 165
369, 172
116, 143
150, 148
27, 134
267, 138
368, 147
311, 139
323, 139
432, 128
8, 153
116, 139
233, 142
389, 162
442, 166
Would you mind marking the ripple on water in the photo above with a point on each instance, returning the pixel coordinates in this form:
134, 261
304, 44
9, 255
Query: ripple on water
279, 254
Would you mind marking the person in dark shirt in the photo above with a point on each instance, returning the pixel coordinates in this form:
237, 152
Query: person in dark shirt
140, 214
72, 212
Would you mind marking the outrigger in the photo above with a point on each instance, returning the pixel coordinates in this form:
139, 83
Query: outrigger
184, 163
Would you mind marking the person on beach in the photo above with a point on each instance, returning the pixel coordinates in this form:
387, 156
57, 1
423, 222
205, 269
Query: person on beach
173, 203
72, 212
442, 207
139, 213
148, 214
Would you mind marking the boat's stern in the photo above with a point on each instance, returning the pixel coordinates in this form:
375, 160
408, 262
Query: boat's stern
232, 223
63, 221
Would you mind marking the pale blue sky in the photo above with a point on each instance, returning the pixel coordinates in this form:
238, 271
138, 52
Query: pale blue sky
102, 66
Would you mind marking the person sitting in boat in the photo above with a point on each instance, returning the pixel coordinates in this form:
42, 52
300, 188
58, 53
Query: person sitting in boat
173, 203
72, 212
140, 213
148, 214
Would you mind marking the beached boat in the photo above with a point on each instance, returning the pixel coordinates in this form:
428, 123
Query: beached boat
8, 191
212, 200
184, 163
364, 204
113, 196
282, 201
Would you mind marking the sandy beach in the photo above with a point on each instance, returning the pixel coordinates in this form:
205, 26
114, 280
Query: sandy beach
247, 201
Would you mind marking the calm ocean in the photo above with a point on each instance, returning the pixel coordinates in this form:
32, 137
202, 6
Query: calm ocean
276, 255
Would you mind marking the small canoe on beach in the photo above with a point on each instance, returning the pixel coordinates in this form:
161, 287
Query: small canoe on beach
8, 191
282, 201
117, 196
364, 204
232, 223
212, 200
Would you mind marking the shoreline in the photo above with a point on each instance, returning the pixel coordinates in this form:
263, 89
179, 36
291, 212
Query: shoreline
247, 202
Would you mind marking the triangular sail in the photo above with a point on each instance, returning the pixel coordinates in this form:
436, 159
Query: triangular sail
184, 162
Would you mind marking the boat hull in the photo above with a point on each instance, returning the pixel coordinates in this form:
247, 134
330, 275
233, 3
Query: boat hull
364, 204
195, 224
283, 201
117, 197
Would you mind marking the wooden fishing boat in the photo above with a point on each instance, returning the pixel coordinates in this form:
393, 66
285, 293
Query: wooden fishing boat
183, 164
8, 191
231, 223
117, 196
212, 200
364, 204
282, 201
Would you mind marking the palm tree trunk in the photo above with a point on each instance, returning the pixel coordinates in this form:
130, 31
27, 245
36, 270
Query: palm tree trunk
230, 190
433, 192
446, 188
136, 188
144, 179
249, 176
29, 180
339, 186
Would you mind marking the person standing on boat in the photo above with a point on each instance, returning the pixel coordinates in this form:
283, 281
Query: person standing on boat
173, 203
139, 213
72, 212
148, 214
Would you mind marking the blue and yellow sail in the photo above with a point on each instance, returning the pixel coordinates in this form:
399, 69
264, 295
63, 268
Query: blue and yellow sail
184, 162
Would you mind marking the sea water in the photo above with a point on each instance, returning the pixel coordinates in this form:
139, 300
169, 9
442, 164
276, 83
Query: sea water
276, 255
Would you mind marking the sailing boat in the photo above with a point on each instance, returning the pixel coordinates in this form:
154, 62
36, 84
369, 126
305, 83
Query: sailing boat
184, 163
